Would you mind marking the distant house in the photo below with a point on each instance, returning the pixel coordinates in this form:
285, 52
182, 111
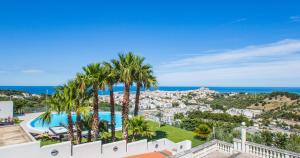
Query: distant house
6, 109
245, 112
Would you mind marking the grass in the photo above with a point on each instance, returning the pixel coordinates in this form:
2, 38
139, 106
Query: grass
170, 132
167, 131
48, 142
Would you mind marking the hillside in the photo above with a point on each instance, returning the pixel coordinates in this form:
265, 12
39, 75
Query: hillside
272, 103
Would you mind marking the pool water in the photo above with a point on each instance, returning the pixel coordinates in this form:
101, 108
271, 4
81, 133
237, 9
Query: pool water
57, 119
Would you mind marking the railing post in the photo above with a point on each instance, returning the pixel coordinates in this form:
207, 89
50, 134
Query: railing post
243, 136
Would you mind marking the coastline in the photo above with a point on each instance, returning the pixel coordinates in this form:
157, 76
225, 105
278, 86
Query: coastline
119, 89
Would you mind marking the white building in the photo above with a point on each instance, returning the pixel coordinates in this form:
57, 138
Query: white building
6, 109
245, 112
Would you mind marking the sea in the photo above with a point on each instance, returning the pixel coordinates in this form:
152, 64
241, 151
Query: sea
119, 89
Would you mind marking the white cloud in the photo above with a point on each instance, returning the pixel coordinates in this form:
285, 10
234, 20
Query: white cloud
295, 18
274, 64
32, 71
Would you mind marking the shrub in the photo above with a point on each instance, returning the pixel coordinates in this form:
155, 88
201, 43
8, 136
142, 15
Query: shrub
203, 131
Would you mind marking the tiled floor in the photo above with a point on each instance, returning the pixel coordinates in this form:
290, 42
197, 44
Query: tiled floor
13, 135
218, 154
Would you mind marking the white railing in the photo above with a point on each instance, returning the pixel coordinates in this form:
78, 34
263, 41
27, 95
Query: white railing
225, 147
263, 151
250, 148
269, 152
205, 149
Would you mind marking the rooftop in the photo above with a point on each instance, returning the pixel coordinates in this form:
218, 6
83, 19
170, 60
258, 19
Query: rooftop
160, 154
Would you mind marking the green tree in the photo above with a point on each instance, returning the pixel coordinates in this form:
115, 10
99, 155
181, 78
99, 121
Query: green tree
61, 102
143, 76
112, 77
280, 140
139, 127
87, 122
203, 131
178, 116
125, 68
266, 137
95, 75
81, 95
293, 143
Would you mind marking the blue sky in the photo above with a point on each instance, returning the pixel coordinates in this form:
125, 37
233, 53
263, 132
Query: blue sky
189, 43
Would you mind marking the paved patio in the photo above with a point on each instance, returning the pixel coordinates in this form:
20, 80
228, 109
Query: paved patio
218, 154
10, 135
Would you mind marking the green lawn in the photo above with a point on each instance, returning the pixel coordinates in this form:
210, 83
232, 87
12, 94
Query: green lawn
170, 132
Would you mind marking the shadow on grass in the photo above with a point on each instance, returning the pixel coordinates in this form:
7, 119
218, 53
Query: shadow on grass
158, 135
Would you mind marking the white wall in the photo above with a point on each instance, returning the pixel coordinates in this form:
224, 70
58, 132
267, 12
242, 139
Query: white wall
93, 150
26, 150
184, 145
6, 109
157, 145
90, 150
63, 149
137, 147
109, 152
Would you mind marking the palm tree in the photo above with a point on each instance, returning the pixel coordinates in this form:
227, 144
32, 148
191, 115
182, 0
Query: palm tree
61, 102
67, 96
143, 78
125, 68
87, 122
111, 79
81, 95
92, 71
139, 126
203, 131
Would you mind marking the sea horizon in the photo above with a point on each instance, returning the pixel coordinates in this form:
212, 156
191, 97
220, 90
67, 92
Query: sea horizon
119, 89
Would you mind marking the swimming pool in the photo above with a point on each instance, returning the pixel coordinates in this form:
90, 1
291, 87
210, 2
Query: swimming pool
57, 119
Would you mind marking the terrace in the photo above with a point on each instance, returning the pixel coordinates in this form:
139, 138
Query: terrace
10, 135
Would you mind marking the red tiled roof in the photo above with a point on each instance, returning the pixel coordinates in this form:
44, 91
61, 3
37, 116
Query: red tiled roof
160, 154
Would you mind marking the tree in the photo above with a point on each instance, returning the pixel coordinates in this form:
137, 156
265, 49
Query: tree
125, 68
143, 76
61, 102
105, 137
266, 137
139, 126
87, 122
112, 78
203, 131
178, 116
81, 95
293, 143
94, 73
280, 140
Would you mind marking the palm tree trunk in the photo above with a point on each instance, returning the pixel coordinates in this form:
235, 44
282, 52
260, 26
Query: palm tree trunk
112, 112
95, 126
78, 127
89, 138
125, 111
137, 98
70, 127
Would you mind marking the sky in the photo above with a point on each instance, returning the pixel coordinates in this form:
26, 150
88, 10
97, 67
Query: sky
188, 43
